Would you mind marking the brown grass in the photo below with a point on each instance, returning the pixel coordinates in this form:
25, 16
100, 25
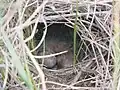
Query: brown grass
19, 25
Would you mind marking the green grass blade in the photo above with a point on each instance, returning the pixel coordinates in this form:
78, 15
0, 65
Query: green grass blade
16, 61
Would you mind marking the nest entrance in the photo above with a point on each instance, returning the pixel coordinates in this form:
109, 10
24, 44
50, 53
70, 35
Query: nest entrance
59, 38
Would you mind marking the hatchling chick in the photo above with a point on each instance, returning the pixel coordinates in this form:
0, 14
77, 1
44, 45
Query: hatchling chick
65, 60
49, 62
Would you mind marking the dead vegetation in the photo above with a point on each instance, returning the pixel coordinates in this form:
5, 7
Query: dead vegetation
19, 67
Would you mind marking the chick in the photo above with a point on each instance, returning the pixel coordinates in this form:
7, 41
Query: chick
49, 62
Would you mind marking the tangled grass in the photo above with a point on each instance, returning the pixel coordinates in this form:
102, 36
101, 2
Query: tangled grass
94, 26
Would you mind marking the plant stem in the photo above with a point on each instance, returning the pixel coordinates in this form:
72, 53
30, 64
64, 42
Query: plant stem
75, 32
116, 45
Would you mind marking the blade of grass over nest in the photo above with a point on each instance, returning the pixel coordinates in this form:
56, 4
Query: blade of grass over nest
41, 74
75, 32
74, 44
29, 76
3, 3
16, 61
44, 48
116, 45
5, 73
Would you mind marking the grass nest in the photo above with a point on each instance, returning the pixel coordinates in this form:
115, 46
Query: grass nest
19, 65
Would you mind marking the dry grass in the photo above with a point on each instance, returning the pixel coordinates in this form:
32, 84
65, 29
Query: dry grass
19, 68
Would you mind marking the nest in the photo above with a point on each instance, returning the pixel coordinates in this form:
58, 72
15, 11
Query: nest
18, 43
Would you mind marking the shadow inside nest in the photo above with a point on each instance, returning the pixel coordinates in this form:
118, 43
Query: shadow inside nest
59, 38
60, 68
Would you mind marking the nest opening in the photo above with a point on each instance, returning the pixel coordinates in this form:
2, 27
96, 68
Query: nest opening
59, 38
